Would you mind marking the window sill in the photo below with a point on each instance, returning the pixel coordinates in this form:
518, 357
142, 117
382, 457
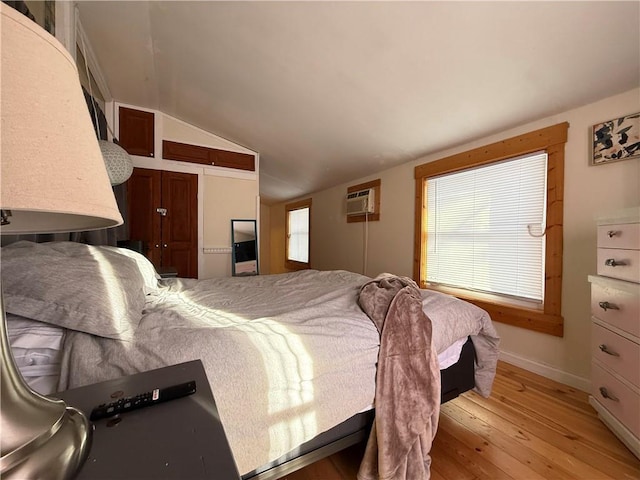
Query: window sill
519, 313
293, 265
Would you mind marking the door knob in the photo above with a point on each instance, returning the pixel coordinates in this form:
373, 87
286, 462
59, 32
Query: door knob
164, 245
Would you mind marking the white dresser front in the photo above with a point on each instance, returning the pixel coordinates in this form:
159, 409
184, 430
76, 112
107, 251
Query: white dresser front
615, 331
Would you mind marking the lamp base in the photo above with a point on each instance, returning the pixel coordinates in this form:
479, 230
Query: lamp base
41, 437
54, 455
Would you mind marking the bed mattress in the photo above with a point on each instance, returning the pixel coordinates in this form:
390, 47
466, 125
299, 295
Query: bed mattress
36, 347
455, 379
287, 356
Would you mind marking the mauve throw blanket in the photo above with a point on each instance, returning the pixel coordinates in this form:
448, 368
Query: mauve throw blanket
407, 398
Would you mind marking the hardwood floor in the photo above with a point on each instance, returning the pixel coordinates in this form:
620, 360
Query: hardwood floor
530, 428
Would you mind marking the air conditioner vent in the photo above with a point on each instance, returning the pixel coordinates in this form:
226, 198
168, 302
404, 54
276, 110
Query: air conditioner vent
361, 202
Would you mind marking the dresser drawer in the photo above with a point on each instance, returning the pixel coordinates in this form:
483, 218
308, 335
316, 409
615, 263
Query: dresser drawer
617, 353
618, 263
623, 402
619, 236
617, 303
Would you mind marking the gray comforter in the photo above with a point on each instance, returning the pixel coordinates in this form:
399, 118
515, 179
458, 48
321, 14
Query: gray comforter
287, 356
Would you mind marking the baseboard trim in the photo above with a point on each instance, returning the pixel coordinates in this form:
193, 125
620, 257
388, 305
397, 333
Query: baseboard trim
547, 371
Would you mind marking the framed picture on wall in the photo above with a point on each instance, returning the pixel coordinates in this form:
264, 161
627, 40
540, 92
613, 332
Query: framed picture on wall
615, 140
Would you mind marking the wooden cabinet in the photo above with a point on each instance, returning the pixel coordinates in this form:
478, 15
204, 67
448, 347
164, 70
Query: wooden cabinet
137, 137
136, 131
615, 338
163, 213
185, 152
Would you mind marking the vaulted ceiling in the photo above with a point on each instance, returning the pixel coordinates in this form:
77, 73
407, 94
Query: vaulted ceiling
328, 92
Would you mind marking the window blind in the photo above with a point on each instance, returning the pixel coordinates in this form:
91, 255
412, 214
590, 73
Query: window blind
299, 235
485, 228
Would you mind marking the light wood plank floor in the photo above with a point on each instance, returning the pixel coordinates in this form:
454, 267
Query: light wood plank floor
530, 428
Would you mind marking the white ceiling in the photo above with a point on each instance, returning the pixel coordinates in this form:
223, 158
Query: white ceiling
328, 92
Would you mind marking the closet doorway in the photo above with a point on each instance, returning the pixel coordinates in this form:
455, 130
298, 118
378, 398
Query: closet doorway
163, 213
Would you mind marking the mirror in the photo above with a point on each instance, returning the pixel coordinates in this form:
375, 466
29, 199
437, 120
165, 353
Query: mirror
244, 251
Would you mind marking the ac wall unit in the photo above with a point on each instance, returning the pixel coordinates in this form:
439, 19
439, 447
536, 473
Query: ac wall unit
361, 202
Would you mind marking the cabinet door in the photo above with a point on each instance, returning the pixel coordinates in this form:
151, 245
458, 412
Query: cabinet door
241, 161
143, 197
171, 234
185, 152
180, 225
136, 132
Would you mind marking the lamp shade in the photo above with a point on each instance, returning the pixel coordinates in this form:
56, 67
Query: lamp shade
117, 161
53, 177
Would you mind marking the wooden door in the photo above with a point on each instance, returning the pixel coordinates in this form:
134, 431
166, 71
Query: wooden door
144, 195
180, 224
171, 234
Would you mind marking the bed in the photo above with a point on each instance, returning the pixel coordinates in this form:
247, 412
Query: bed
291, 358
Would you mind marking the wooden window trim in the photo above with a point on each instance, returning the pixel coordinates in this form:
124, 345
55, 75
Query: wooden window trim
292, 264
547, 319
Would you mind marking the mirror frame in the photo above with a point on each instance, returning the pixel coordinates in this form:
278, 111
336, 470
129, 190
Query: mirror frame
233, 249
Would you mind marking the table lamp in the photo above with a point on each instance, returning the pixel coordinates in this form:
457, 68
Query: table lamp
53, 179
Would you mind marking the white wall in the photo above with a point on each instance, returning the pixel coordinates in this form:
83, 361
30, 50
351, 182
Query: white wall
178, 131
589, 192
224, 199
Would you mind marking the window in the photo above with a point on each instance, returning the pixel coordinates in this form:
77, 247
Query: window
298, 221
480, 228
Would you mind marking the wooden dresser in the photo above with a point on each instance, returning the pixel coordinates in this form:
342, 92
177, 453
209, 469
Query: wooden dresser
615, 323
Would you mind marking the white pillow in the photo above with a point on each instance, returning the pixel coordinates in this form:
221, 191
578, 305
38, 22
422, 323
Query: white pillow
74, 286
147, 270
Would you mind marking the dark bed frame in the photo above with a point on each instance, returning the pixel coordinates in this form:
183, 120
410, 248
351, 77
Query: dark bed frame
456, 379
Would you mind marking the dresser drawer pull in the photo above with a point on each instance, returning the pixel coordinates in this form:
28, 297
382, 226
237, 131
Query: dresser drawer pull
611, 262
606, 350
606, 394
613, 233
608, 306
